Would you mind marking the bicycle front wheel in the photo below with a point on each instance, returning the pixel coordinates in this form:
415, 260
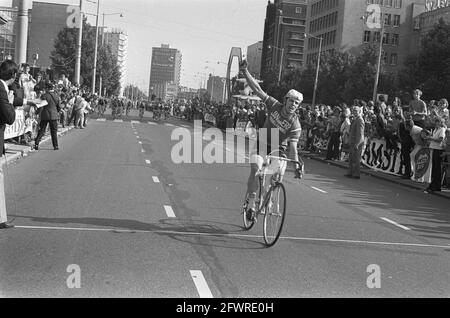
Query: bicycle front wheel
275, 212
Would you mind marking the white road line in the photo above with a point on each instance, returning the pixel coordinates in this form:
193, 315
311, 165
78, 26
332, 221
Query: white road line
185, 126
155, 179
118, 120
140, 142
201, 284
310, 239
101, 119
134, 122
151, 123
142, 150
396, 224
147, 161
317, 189
169, 211
167, 124
137, 137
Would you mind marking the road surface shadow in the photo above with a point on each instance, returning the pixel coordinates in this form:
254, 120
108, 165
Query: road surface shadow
206, 232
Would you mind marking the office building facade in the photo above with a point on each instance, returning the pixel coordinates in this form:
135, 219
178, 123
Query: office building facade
347, 25
118, 41
216, 88
254, 53
165, 68
283, 42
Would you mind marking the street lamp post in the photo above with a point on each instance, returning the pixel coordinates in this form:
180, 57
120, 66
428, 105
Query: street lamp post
95, 48
78, 53
380, 51
318, 66
281, 61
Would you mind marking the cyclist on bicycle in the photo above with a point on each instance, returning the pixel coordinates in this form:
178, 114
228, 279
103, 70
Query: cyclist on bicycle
281, 117
141, 109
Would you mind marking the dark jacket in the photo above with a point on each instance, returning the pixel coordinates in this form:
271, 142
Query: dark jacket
356, 136
50, 111
18, 94
7, 115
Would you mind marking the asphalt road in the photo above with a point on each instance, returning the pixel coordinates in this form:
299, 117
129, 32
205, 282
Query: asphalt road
113, 203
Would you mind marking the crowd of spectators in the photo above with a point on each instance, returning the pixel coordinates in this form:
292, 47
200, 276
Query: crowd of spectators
401, 126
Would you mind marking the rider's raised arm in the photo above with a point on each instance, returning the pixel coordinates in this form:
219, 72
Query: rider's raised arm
252, 82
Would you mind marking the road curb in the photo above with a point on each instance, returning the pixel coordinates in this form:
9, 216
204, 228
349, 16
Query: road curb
13, 153
378, 176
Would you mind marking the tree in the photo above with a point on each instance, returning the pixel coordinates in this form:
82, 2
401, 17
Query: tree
429, 70
63, 58
333, 75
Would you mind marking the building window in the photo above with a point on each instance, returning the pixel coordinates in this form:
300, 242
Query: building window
395, 39
397, 4
376, 36
394, 59
388, 3
387, 19
298, 9
396, 21
385, 38
384, 57
366, 38
296, 36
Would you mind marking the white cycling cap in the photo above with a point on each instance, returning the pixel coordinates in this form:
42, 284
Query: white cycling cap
294, 95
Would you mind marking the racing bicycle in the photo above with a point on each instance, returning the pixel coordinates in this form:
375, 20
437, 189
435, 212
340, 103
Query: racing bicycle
271, 195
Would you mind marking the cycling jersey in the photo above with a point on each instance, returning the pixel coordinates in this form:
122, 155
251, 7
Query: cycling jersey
289, 128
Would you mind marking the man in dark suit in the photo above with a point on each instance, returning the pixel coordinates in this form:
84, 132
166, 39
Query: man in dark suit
8, 71
49, 114
356, 141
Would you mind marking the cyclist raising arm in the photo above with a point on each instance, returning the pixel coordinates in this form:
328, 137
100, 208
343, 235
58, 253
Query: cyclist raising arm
281, 117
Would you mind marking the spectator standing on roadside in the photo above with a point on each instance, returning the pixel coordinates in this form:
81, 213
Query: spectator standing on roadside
333, 130
356, 142
8, 72
437, 145
49, 114
418, 109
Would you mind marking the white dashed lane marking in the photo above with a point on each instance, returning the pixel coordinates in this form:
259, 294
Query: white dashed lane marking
169, 211
396, 224
140, 142
155, 179
147, 161
101, 119
201, 284
317, 189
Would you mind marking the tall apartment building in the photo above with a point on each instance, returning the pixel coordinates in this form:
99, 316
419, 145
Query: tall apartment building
165, 68
340, 25
118, 41
216, 87
283, 43
254, 53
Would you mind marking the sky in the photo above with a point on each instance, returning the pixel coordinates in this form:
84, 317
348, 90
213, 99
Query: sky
203, 30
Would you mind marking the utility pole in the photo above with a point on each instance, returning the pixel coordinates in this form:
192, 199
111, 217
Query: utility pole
95, 49
380, 51
78, 53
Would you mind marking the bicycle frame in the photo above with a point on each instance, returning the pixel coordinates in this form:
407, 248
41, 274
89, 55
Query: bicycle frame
262, 172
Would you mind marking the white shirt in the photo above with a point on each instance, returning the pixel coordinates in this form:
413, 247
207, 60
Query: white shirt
438, 133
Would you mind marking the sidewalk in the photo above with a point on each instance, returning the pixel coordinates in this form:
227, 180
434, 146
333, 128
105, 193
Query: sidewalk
16, 151
445, 193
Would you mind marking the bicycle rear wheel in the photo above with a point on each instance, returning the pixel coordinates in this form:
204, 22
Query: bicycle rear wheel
275, 212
